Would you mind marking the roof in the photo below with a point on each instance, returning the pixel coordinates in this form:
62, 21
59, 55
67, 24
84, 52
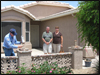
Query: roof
60, 14
23, 11
12, 7
48, 3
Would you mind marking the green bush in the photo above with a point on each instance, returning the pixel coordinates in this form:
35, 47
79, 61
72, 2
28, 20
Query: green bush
88, 22
44, 68
97, 67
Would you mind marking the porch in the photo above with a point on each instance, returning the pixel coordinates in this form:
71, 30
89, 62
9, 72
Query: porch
39, 51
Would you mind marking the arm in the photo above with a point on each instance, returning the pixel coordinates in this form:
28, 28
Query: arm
43, 40
9, 43
61, 41
17, 42
50, 40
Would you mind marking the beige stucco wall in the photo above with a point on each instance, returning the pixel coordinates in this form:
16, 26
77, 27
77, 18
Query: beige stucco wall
14, 16
67, 25
42, 10
13, 13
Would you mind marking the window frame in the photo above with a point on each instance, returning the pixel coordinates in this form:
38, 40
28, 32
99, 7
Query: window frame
27, 31
1, 31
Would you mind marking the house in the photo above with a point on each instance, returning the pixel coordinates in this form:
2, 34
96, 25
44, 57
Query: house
30, 21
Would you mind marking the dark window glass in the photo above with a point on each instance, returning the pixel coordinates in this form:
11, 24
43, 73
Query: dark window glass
27, 36
27, 26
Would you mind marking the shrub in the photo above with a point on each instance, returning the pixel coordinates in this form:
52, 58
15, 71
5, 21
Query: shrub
88, 22
97, 67
44, 68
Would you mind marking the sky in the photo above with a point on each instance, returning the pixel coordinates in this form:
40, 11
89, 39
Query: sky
18, 3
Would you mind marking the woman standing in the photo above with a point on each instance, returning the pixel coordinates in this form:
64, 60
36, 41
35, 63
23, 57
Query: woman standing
57, 40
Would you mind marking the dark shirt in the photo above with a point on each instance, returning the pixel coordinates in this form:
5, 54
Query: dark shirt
57, 38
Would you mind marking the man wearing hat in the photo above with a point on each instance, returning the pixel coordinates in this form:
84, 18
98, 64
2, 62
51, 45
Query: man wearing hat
9, 41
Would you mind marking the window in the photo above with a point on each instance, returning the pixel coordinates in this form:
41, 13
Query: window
6, 26
27, 31
1, 31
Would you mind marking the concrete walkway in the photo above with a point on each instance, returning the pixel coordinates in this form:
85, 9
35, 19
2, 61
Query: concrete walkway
34, 52
40, 52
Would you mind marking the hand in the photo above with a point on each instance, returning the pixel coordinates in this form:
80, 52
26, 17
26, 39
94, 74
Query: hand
47, 43
20, 46
61, 45
22, 42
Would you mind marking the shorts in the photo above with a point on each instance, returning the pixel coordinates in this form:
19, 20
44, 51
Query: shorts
47, 48
56, 48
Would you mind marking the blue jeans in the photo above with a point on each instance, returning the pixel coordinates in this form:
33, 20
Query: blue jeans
9, 52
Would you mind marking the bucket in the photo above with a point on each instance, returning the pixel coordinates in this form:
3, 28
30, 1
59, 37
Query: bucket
87, 64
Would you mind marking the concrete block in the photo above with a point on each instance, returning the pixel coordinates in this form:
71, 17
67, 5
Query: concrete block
88, 53
24, 57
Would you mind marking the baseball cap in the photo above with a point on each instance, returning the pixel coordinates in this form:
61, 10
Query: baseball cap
13, 31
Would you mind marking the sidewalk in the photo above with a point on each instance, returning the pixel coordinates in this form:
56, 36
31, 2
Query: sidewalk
40, 52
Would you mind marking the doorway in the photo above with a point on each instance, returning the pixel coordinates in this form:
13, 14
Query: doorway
34, 36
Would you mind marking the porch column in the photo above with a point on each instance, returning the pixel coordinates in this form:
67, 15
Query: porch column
77, 56
27, 44
24, 57
23, 30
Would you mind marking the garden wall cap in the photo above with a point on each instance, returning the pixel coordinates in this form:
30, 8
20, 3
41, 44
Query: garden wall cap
53, 54
74, 47
9, 57
24, 51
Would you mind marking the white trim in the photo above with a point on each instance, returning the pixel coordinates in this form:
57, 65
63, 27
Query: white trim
64, 13
46, 3
12, 7
10, 21
1, 31
27, 31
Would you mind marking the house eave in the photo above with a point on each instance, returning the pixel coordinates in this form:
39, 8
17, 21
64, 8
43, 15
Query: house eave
12, 7
57, 15
48, 4
64, 13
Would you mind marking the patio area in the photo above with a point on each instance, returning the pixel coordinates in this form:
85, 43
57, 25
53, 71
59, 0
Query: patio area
39, 51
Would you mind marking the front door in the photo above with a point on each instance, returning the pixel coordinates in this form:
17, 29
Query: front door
35, 35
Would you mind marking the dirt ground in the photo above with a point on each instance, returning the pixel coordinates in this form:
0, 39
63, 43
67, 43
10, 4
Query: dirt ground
89, 70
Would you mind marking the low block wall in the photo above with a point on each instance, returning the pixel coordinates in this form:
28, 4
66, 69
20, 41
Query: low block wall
62, 59
9, 63
69, 59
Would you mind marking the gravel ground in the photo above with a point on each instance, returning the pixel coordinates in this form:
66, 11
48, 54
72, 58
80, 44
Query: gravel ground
89, 70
